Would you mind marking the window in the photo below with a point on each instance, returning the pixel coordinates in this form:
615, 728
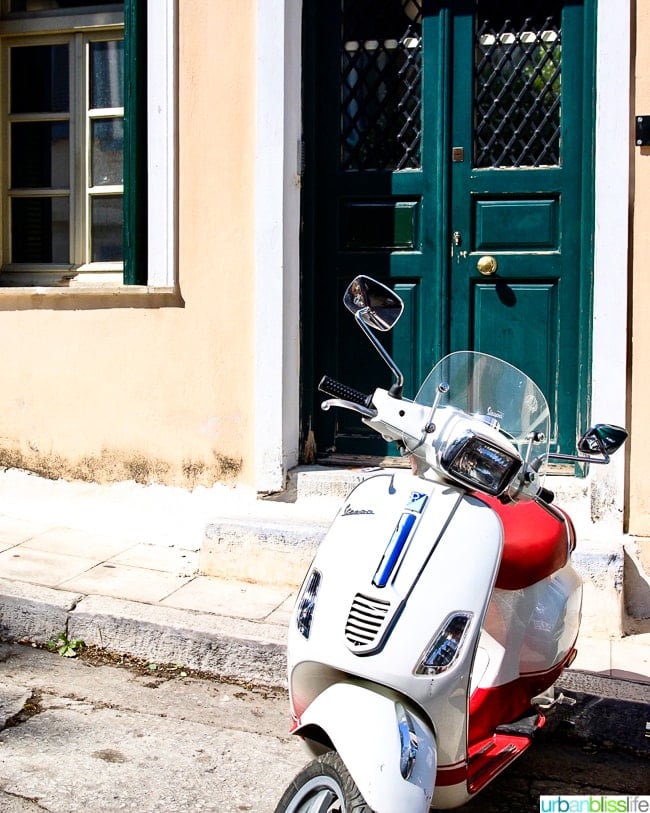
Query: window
74, 158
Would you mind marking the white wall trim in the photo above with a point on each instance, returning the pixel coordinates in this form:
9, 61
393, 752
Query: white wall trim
162, 147
612, 189
277, 232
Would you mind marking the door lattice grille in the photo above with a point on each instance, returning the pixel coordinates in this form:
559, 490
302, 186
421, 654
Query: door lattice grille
381, 70
517, 86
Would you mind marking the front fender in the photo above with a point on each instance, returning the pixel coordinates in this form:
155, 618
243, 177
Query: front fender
362, 726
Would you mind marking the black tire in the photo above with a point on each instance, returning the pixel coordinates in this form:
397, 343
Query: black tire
323, 785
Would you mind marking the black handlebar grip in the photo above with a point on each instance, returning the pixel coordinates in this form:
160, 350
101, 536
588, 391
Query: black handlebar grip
546, 495
337, 390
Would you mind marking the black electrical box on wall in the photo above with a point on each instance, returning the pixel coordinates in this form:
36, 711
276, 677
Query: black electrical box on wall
642, 138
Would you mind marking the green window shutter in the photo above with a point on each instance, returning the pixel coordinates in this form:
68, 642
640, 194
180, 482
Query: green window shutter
135, 142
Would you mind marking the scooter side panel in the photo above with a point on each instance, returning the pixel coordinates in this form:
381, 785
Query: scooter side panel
530, 631
362, 725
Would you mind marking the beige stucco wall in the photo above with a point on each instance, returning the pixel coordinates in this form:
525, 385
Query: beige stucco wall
639, 507
156, 387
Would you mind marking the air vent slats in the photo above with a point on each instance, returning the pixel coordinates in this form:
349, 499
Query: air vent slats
365, 621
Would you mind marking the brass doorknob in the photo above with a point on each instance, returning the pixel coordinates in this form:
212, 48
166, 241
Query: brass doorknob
487, 266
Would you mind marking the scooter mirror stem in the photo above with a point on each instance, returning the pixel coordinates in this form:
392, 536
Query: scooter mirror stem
441, 389
573, 458
535, 465
398, 387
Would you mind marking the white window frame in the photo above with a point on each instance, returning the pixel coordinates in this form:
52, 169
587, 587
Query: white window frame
162, 91
162, 19
80, 193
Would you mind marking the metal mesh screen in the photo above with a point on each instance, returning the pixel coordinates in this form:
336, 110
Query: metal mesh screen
381, 67
518, 72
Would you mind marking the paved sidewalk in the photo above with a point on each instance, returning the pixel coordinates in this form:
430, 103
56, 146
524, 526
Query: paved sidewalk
116, 566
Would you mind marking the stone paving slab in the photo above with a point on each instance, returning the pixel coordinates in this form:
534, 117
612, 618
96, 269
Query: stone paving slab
41, 567
15, 531
30, 612
155, 557
123, 581
77, 542
12, 702
254, 602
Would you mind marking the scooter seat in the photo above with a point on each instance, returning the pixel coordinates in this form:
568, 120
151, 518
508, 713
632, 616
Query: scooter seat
537, 541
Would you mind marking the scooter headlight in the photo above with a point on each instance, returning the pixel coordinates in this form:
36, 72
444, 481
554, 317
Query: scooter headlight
481, 464
445, 647
307, 603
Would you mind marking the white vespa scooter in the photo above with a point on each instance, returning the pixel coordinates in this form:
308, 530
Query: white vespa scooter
442, 605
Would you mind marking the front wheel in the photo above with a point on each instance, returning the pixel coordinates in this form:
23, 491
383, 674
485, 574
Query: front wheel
323, 786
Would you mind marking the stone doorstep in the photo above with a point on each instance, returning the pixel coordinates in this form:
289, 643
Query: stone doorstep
333, 483
278, 551
260, 550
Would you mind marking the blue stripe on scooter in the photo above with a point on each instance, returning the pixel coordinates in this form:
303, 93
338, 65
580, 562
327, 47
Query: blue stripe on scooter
394, 549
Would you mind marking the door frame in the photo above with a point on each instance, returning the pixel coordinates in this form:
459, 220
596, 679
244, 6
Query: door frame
277, 237
276, 97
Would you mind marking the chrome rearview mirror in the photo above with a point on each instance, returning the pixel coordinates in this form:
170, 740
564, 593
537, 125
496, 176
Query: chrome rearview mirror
603, 439
375, 304
596, 445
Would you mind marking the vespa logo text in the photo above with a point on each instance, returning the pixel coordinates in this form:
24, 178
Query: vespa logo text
349, 511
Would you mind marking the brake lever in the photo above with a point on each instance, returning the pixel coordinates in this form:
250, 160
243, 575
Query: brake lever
339, 402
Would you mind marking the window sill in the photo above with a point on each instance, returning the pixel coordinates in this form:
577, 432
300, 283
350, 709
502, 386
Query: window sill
89, 298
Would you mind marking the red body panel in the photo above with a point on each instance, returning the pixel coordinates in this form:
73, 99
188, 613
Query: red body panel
489, 708
537, 542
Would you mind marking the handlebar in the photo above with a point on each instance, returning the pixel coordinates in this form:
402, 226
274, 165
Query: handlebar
546, 495
338, 390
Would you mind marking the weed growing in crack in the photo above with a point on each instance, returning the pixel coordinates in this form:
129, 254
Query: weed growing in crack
66, 647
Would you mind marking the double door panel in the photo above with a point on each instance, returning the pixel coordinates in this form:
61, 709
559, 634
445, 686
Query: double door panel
447, 157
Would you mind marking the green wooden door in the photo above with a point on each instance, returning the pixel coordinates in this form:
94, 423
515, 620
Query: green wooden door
520, 161
439, 135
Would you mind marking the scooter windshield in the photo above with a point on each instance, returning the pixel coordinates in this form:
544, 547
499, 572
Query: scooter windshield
493, 391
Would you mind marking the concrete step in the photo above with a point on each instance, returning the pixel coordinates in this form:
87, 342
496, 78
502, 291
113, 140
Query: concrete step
276, 545
313, 482
278, 548
260, 550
